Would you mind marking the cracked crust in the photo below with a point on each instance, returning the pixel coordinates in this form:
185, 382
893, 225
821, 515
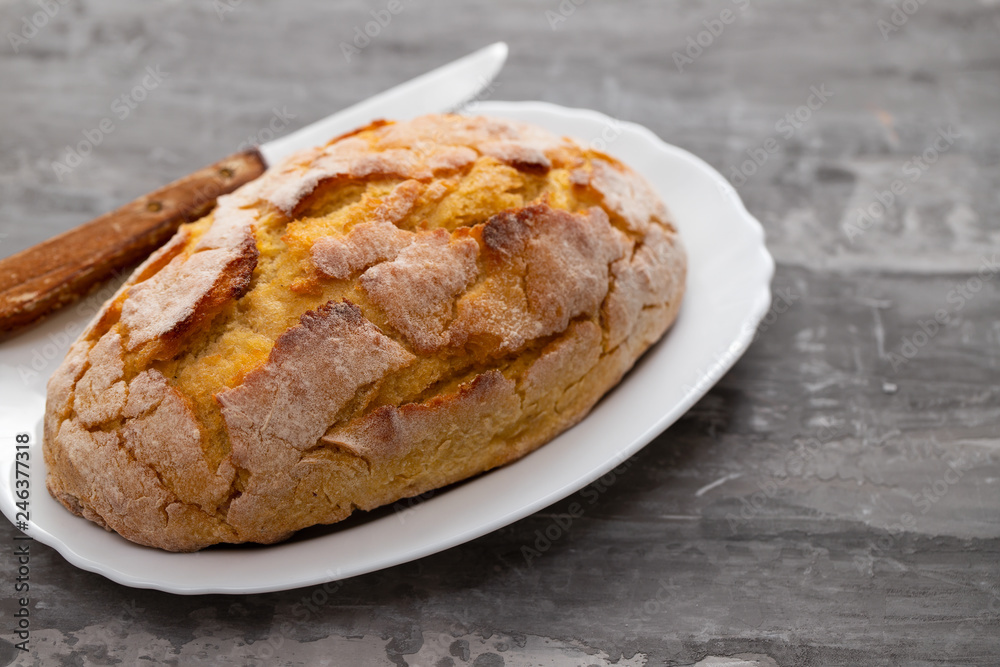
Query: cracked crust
282, 408
410, 305
417, 290
160, 313
369, 242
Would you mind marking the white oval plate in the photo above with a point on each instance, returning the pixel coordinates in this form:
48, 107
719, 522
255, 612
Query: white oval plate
728, 292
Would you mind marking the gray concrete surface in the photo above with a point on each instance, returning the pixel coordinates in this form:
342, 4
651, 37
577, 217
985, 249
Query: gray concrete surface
833, 501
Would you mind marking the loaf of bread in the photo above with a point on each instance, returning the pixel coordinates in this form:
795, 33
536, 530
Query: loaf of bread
410, 305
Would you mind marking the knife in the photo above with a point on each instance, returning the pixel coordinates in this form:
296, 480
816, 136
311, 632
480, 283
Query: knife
57, 272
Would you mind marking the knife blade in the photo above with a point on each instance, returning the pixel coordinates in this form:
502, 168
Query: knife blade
442, 89
57, 272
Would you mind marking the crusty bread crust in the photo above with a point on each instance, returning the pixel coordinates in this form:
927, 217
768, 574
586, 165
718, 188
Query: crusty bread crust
403, 308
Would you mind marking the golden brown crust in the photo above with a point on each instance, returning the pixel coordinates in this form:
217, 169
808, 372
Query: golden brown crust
390, 432
162, 432
545, 267
408, 306
283, 408
418, 288
160, 312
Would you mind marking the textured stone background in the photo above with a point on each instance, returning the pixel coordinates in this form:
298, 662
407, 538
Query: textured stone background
803, 513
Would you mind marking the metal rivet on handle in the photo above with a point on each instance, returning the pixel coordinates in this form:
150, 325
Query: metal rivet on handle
154, 206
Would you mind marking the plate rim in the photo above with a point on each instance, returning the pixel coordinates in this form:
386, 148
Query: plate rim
757, 308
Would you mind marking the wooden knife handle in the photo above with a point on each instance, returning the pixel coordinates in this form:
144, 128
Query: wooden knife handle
57, 272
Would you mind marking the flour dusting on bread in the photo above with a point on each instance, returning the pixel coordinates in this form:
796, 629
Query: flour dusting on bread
405, 307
